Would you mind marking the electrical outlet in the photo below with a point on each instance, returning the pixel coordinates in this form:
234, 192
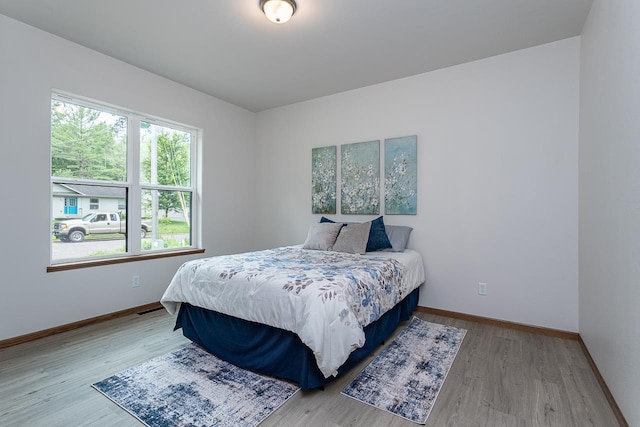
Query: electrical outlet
135, 281
482, 289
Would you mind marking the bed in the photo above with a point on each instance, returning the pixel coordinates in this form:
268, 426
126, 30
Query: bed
301, 314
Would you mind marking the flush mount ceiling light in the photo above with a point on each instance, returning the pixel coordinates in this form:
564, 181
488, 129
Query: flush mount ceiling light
278, 11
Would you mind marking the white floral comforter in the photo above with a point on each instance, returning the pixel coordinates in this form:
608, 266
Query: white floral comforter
326, 298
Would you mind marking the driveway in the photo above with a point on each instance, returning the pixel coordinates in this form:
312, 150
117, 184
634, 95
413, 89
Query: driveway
61, 250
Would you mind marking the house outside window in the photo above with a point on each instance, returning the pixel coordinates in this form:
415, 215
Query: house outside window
121, 184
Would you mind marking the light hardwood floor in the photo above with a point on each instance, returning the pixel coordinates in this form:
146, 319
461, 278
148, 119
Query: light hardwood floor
501, 377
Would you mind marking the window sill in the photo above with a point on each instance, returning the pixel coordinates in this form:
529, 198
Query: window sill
130, 258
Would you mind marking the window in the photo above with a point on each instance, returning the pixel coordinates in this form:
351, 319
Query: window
122, 184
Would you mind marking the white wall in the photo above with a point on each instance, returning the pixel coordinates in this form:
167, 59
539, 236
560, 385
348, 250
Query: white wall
610, 197
32, 64
497, 177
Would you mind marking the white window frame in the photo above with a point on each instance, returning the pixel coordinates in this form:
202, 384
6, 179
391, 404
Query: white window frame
133, 184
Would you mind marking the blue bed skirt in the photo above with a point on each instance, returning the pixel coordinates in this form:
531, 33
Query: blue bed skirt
276, 352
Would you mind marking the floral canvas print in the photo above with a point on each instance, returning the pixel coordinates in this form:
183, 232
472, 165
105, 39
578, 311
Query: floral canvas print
360, 180
323, 180
400, 175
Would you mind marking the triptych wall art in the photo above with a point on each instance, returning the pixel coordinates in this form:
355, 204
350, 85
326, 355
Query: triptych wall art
360, 177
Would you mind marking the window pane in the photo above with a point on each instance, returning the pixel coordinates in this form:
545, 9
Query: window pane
87, 143
165, 156
78, 232
168, 214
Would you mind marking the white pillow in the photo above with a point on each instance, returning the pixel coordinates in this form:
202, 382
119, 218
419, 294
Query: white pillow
353, 238
322, 236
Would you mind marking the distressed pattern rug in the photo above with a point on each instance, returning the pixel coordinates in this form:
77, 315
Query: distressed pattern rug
190, 387
406, 376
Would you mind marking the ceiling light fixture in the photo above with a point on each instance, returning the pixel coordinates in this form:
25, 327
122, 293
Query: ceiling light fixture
278, 11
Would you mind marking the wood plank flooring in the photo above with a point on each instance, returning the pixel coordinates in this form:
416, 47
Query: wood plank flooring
501, 377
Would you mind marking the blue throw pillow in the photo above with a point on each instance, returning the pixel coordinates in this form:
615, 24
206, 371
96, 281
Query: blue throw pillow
378, 238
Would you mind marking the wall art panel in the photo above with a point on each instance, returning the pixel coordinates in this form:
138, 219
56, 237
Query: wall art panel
323, 180
360, 178
401, 175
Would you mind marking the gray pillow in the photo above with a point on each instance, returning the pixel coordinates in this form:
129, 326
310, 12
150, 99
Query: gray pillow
322, 236
398, 236
353, 238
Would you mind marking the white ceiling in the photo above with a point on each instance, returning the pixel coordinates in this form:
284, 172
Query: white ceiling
228, 49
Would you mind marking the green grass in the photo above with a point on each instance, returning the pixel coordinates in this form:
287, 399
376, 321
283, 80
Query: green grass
169, 226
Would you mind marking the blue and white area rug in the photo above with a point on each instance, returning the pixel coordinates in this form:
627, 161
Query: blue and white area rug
406, 376
190, 387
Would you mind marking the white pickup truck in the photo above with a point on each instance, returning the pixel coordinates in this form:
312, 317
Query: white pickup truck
74, 230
